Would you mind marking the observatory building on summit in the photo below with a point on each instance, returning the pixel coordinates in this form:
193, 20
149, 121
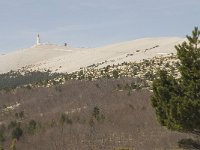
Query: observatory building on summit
38, 42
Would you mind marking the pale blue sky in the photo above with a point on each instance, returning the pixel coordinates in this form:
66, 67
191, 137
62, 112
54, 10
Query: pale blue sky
91, 23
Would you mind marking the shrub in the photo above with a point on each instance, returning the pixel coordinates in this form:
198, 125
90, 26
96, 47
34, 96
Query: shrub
96, 112
97, 115
133, 85
17, 133
2, 132
1, 147
13, 145
115, 74
32, 126
189, 144
21, 114
119, 87
13, 124
2, 138
91, 122
62, 119
65, 119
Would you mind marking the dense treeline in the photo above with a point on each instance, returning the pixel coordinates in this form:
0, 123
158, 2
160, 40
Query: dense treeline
14, 79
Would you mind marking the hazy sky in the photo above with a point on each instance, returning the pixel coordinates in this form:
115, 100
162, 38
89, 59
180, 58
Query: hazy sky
91, 23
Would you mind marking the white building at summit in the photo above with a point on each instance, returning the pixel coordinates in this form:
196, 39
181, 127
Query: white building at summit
38, 40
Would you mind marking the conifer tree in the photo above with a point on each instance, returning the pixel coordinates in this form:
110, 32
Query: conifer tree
177, 100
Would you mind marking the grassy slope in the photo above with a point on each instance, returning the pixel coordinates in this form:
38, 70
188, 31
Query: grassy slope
129, 118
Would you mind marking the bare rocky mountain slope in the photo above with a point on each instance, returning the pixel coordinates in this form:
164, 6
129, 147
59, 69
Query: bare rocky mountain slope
67, 59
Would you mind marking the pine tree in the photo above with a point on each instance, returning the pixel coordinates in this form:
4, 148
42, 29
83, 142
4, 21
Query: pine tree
177, 101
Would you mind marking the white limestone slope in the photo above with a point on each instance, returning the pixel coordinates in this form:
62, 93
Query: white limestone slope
67, 59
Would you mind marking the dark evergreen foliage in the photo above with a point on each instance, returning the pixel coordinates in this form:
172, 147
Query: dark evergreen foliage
17, 133
32, 126
189, 144
96, 112
177, 100
2, 133
13, 79
115, 74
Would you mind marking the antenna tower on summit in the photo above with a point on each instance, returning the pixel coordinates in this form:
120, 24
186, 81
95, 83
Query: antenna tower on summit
38, 40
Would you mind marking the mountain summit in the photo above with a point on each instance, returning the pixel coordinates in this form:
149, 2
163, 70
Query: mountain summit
67, 59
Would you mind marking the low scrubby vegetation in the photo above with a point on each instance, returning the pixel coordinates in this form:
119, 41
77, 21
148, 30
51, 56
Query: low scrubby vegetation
82, 115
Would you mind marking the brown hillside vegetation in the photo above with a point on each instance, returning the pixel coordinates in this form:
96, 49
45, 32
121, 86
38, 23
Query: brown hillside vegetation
83, 115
